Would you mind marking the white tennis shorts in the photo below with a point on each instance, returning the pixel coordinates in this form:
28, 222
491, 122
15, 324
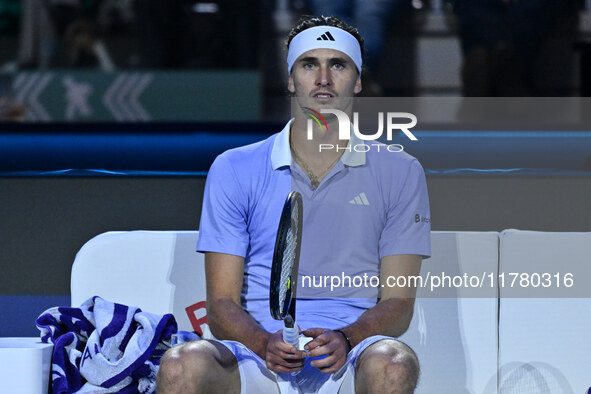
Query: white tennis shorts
256, 378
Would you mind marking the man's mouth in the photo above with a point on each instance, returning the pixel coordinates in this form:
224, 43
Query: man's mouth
323, 95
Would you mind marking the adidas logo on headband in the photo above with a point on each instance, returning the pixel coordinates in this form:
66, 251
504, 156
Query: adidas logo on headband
326, 37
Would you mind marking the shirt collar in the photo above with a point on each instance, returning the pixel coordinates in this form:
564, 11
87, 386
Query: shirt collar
351, 157
281, 152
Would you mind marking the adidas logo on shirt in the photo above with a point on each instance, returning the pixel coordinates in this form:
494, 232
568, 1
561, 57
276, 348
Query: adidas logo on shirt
326, 37
360, 199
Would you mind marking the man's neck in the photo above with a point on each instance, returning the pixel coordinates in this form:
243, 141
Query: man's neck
310, 149
315, 162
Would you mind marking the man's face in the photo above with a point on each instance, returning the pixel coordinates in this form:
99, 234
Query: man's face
324, 78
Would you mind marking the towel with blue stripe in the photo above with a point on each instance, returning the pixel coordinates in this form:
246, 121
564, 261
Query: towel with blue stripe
104, 347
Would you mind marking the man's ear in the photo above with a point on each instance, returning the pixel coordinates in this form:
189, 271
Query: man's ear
290, 85
358, 86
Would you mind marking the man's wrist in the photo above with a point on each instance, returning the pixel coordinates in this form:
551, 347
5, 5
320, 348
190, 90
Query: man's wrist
261, 344
344, 334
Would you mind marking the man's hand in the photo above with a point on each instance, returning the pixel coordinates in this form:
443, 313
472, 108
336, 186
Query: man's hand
327, 343
283, 357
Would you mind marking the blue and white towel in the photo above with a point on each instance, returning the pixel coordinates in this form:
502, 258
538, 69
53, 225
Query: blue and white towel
103, 347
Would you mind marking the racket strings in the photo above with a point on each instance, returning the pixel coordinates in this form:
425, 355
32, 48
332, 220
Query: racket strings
289, 255
287, 262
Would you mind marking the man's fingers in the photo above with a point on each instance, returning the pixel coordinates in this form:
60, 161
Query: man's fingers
319, 340
324, 362
285, 347
277, 341
281, 368
286, 350
331, 347
289, 352
329, 364
278, 364
298, 355
274, 360
320, 351
313, 332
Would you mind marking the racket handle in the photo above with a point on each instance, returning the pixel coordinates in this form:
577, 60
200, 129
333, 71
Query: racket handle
291, 335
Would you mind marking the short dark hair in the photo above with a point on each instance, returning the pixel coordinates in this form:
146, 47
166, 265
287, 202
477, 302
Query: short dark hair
307, 21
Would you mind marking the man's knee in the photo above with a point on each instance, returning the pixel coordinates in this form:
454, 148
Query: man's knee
183, 361
195, 362
390, 351
391, 362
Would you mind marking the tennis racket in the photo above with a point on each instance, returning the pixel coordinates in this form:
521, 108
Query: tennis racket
284, 270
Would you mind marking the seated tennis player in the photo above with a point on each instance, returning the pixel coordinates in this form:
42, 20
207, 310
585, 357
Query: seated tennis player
360, 218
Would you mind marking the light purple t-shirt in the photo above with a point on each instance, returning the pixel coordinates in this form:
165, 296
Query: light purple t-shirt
370, 205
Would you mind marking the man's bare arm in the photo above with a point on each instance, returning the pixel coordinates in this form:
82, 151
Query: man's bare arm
225, 316
391, 316
228, 320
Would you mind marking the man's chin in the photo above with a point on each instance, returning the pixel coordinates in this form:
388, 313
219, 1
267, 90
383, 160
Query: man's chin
317, 105
335, 102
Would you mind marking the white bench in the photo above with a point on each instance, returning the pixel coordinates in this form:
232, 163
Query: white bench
157, 271
453, 332
545, 342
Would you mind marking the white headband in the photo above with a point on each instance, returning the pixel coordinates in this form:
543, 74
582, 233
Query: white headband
321, 37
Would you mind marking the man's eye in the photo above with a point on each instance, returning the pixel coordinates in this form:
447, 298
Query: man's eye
339, 66
308, 65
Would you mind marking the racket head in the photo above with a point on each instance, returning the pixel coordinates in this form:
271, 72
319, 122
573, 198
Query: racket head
286, 258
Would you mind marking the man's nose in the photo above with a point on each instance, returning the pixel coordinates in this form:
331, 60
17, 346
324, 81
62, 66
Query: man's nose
323, 78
